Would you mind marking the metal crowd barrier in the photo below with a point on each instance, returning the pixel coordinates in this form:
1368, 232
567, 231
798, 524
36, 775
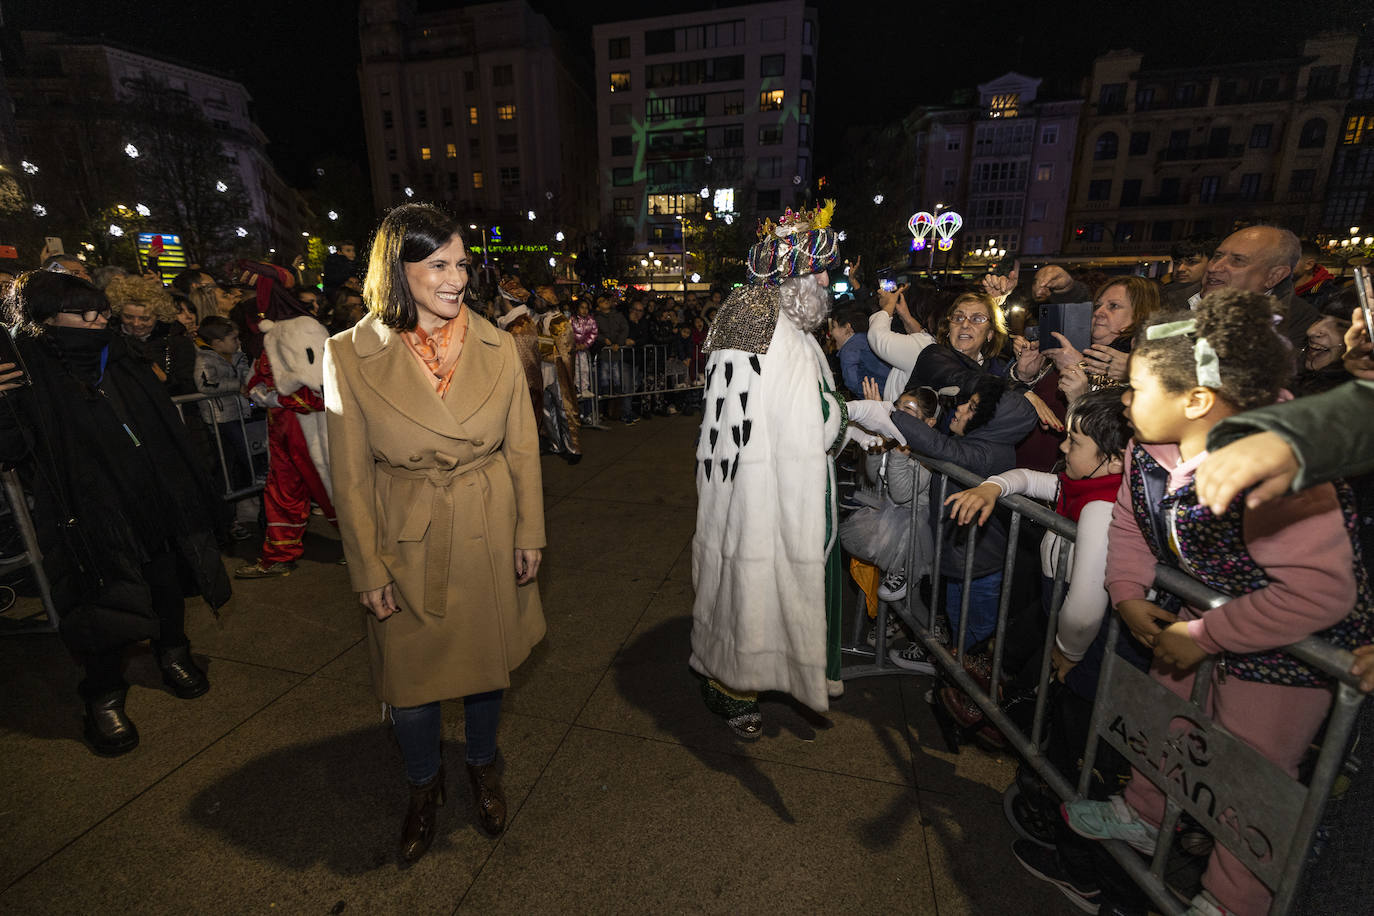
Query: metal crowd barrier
31, 556
1243, 800
641, 371
254, 441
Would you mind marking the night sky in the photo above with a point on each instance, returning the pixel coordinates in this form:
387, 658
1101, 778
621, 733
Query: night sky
877, 60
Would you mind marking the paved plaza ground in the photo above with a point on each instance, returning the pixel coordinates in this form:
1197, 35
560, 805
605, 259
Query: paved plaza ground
280, 791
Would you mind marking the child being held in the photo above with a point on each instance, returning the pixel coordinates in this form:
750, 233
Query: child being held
1290, 565
881, 534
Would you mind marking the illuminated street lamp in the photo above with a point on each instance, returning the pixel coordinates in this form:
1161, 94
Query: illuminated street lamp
115, 230
333, 214
143, 210
473, 227
131, 151
28, 167
40, 210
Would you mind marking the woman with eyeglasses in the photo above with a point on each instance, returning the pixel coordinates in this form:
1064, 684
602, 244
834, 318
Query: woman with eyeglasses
123, 514
968, 346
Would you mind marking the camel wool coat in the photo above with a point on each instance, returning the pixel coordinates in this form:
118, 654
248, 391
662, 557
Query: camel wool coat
435, 495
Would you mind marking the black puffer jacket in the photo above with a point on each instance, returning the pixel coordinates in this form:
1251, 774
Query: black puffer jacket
115, 483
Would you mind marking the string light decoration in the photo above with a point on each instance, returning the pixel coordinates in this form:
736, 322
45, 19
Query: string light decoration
945, 227
921, 225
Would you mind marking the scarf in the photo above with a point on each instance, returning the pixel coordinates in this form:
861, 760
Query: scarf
438, 352
1075, 494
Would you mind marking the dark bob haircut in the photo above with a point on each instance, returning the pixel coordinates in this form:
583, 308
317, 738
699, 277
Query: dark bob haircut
38, 295
409, 234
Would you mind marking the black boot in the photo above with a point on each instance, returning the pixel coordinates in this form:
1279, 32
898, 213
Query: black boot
418, 831
181, 673
109, 729
490, 800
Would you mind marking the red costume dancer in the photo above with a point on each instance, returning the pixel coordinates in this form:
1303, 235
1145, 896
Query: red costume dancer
288, 380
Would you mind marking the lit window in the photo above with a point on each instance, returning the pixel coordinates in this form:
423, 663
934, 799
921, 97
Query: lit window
620, 81
425, 153
1356, 127
451, 151
1004, 106
1044, 171
770, 100
477, 180
472, 114
506, 112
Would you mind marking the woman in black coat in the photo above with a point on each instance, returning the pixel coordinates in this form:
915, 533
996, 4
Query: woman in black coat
123, 513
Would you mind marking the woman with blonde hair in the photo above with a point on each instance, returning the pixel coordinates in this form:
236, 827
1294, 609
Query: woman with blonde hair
147, 315
1121, 305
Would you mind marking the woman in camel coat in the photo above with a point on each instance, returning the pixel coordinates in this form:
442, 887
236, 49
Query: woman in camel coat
434, 456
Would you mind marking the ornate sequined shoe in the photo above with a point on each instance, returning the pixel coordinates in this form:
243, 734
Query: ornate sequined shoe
740, 711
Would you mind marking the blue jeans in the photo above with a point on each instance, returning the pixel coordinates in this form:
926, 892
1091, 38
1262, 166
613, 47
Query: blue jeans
417, 731
982, 606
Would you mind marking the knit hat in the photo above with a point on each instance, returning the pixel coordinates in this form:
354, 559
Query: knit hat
800, 244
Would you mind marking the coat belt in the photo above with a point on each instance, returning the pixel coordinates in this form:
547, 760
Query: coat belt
439, 543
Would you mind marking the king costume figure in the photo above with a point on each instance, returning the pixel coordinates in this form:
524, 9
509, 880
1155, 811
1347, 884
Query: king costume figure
766, 613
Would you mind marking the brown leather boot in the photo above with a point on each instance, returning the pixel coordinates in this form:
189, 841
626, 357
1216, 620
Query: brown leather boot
491, 801
418, 831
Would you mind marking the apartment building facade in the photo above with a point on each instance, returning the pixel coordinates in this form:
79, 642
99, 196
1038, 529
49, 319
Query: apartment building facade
1005, 165
1166, 153
703, 113
482, 109
66, 92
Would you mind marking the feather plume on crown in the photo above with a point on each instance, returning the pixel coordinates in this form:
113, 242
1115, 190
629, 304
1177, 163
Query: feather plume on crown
800, 243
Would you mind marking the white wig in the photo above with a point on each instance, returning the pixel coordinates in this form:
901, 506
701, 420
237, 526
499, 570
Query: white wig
804, 301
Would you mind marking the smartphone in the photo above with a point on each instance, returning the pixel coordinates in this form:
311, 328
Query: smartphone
9, 353
54, 245
1364, 291
1072, 319
887, 286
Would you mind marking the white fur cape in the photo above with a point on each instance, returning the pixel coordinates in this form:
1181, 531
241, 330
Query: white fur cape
765, 489
295, 347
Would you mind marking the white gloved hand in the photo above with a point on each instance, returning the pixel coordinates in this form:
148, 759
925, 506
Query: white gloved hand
263, 396
876, 417
865, 440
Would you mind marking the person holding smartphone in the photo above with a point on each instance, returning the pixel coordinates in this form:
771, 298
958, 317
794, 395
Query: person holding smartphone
122, 512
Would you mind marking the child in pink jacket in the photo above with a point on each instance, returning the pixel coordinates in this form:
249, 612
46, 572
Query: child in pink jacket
1290, 566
